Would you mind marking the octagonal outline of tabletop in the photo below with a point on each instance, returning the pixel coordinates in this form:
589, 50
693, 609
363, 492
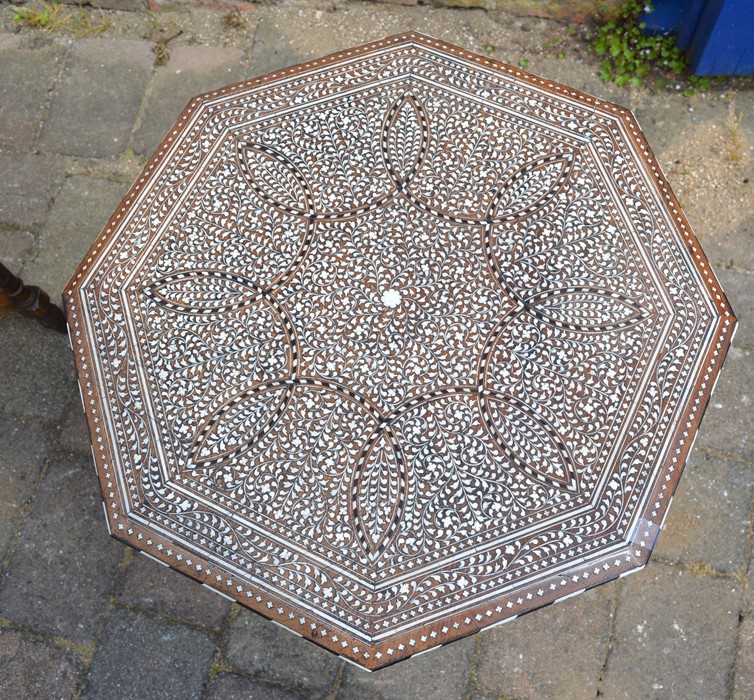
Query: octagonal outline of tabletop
146, 272
609, 558
151, 268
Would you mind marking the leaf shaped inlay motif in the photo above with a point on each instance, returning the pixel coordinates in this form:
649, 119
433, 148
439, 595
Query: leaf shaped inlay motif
379, 494
531, 187
238, 422
531, 443
404, 139
586, 309
275, 178
202, 292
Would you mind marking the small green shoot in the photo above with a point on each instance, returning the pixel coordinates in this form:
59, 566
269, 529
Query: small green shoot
46, 15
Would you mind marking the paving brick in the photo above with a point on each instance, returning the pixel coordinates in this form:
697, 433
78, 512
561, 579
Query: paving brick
729, 421
258, 647
80, 212
441, 673
15, 248
22, 453
566, 72
709, 516
743, 684
230, 686
141, 657
739, 287
73, 433
706, 153
287, 36
664, 118
275, 47
61, 575
729, 245
27, 187
575, 635
658, 652
38, 373
191, 70
154, 587
29, 72
10, 42
33, 669
749, 594
102, 87
123, 5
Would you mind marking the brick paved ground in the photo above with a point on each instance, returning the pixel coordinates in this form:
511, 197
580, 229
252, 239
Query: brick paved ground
82, 616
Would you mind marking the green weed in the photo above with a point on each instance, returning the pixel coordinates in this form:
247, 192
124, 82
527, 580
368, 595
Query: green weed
54, 16
45, 15
630, 57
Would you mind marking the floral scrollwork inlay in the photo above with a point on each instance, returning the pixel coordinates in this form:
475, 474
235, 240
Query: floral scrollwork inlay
396, 345
390, 284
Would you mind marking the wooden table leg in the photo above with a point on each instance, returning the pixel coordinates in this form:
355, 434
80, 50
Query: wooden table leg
31, 301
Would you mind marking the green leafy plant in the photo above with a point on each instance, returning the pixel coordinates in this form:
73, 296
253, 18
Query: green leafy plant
46, 15
629, 56
53, 16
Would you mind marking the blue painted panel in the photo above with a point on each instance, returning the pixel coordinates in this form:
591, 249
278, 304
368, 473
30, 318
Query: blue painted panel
679, 17
667, 16
718, 35
690, 23
723, 41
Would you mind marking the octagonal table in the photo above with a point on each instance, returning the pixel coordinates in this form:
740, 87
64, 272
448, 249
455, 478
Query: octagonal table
396, 345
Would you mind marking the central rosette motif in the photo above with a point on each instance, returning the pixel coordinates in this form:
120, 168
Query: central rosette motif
391, 298
400, 405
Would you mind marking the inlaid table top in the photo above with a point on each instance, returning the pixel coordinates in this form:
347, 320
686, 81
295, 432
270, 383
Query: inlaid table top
396, 345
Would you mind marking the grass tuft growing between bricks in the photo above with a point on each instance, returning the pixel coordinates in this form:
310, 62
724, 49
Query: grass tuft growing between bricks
56, 17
